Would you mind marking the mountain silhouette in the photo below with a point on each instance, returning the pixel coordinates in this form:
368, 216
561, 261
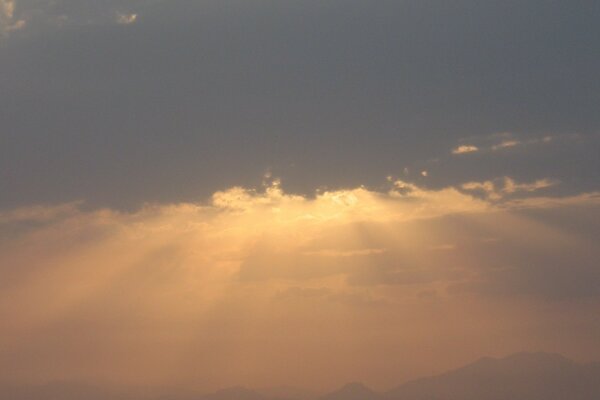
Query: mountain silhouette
288, 393
522, 376
236, 393
352, 391
57, 391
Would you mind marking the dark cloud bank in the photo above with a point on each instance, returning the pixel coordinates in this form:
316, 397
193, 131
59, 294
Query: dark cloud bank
196, 96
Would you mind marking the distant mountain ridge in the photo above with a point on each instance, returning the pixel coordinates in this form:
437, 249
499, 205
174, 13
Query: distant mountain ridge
522, 376
353, 391
288, 392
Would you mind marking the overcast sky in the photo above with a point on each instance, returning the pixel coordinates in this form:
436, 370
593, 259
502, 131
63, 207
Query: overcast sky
219, 192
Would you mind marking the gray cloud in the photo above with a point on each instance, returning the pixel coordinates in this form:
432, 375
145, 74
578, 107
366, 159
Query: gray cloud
197, 96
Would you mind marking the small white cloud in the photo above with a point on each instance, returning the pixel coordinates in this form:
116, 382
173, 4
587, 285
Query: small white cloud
465, 149
424, 173
126, 19
506, 144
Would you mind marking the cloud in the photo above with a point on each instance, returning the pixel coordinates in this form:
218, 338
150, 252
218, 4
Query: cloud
498, 189
506, 144
508, 140
58, 14
7, 10
158, 287
126, 19
208, 95
486, 187
510, 186
463, 149
8, 22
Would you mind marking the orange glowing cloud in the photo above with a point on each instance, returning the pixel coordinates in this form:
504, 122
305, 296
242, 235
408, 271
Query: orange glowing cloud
259, 286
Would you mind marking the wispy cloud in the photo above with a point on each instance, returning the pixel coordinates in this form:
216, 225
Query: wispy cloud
510, 186
505, 141
499, 188
506, 144
463, 149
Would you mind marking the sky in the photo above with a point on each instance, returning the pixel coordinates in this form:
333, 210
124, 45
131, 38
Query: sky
227, 192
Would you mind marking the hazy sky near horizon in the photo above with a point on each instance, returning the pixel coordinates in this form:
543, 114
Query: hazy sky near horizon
303, 192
